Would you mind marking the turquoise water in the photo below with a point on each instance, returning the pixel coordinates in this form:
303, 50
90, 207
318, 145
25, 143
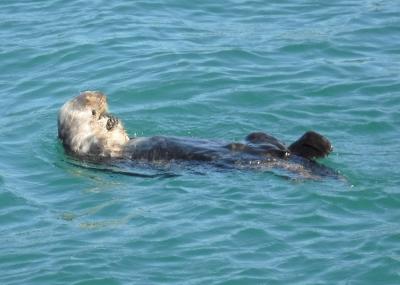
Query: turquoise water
209, 69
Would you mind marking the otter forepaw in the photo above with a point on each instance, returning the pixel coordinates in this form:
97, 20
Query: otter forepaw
111, 122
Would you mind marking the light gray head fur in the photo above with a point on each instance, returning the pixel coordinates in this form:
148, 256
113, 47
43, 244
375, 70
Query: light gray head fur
82, 127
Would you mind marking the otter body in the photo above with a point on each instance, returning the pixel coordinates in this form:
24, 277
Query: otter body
87, 130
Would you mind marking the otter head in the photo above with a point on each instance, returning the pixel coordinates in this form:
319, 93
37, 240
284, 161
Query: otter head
86, 129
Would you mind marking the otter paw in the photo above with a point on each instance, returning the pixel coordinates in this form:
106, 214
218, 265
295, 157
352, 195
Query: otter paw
111, 122
261, 138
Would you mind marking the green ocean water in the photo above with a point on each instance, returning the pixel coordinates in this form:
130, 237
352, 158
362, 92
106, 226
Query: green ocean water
207, 69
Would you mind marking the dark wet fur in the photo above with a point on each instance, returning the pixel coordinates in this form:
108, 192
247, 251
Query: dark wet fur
260, 150
311, 145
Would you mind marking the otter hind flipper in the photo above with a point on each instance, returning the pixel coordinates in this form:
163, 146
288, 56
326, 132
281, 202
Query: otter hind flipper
264, 138
311, 145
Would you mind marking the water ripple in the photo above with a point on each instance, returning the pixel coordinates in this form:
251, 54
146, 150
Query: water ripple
211, 70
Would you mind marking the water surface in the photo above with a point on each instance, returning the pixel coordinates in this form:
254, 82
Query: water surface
208, 70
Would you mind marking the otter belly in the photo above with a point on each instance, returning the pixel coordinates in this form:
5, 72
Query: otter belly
222, 154
161, 148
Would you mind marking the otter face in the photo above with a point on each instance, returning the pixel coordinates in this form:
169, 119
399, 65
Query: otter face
92, 102
86, 129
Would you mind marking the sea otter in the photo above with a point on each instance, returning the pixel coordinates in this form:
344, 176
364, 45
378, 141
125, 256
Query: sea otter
88, 131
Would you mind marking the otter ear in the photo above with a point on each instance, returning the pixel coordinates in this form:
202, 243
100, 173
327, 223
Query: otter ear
311, 145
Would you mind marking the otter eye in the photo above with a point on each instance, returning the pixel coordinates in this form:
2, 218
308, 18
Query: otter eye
94, 112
